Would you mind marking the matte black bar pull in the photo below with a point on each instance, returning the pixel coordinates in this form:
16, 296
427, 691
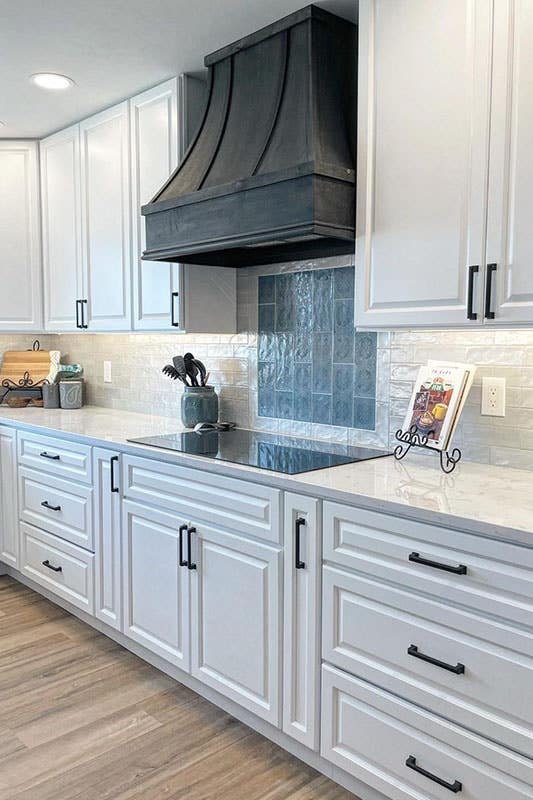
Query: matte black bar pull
470, 313
46, 504
298, 524
83, 303
460, 569
112, 461
413, 650
491, 269
51, 566
51, 457
182, 561
190, 532
174, 322
454, 787
78, 304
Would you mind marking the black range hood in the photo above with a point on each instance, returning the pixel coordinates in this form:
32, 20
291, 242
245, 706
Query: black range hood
270, 174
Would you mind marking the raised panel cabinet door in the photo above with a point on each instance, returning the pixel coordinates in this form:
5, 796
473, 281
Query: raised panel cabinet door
423, 138
61, 219
509, 290
156, 587
155, 148
20, 237
9, 533
106, 247
107, 537
301, 619
235, 619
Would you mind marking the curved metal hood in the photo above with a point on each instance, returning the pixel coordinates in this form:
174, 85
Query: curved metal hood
270, 174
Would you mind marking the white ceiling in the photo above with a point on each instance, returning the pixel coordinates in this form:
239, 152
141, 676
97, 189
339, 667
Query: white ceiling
114, 49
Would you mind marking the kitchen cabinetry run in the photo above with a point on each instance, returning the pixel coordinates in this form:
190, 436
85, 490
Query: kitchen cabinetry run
107, 537
20, 237
93, 232
444, 164
9, 538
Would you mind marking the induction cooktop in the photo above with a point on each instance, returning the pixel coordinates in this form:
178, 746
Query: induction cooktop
269, 451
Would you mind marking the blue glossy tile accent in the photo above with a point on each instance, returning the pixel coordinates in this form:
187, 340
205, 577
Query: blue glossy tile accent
302, 392
343, 322
322, 362
285, 405
322, 408
267, 317
312, 364
364, 413
322, 300
267, 289
284, 359
285, 317
343, 282
266, 347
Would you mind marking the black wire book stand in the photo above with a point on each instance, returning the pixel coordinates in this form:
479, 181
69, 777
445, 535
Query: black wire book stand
413, 438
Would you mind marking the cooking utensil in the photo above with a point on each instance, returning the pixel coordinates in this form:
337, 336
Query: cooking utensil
192, 369
201, 369
179, 365
172, 372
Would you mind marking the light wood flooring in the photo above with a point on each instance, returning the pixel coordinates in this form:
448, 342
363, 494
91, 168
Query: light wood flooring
81, 718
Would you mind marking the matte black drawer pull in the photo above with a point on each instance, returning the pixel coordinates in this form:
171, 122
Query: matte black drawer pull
51, 457
190, 532
470, 313
46, 504
51, 566
460, 569
299, 523
78, 304
174, 322
413, 650
454, 787
112, 461
491, 269
182, 561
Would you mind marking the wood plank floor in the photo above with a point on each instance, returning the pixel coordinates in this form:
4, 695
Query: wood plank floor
83, 719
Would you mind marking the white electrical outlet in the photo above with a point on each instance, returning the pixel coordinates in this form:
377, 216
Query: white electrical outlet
493, 397
107, 371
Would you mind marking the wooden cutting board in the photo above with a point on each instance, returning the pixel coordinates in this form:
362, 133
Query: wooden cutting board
40, 364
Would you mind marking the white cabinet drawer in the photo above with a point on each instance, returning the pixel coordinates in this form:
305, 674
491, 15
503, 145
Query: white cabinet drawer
59, 566
47, 454
373, 735
60, 507
490, 576
435, 650
239, 506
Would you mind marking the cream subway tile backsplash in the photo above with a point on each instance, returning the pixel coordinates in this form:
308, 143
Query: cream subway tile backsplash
138, 384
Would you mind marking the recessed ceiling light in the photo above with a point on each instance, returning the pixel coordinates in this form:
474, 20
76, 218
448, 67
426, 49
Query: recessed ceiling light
51, 80
2, 124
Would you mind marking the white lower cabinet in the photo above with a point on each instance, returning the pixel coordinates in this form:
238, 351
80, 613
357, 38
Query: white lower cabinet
9, 538
235, 618
107, 537
156, 588
301, 619
408, 753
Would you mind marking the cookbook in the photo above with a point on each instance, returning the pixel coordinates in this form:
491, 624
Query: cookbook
440, 392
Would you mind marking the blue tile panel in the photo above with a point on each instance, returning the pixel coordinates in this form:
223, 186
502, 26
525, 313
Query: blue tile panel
313, 365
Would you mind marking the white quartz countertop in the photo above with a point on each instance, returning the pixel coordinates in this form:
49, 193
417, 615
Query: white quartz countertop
494, 501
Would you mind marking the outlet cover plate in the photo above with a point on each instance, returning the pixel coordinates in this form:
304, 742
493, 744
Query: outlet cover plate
107, 371
493, 397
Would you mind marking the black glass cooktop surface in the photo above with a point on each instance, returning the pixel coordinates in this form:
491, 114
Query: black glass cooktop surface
264, 450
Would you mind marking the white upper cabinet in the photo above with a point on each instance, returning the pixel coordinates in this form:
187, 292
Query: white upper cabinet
423, 119
61, 216
20, 237
155, 150
106, 248
509, 296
